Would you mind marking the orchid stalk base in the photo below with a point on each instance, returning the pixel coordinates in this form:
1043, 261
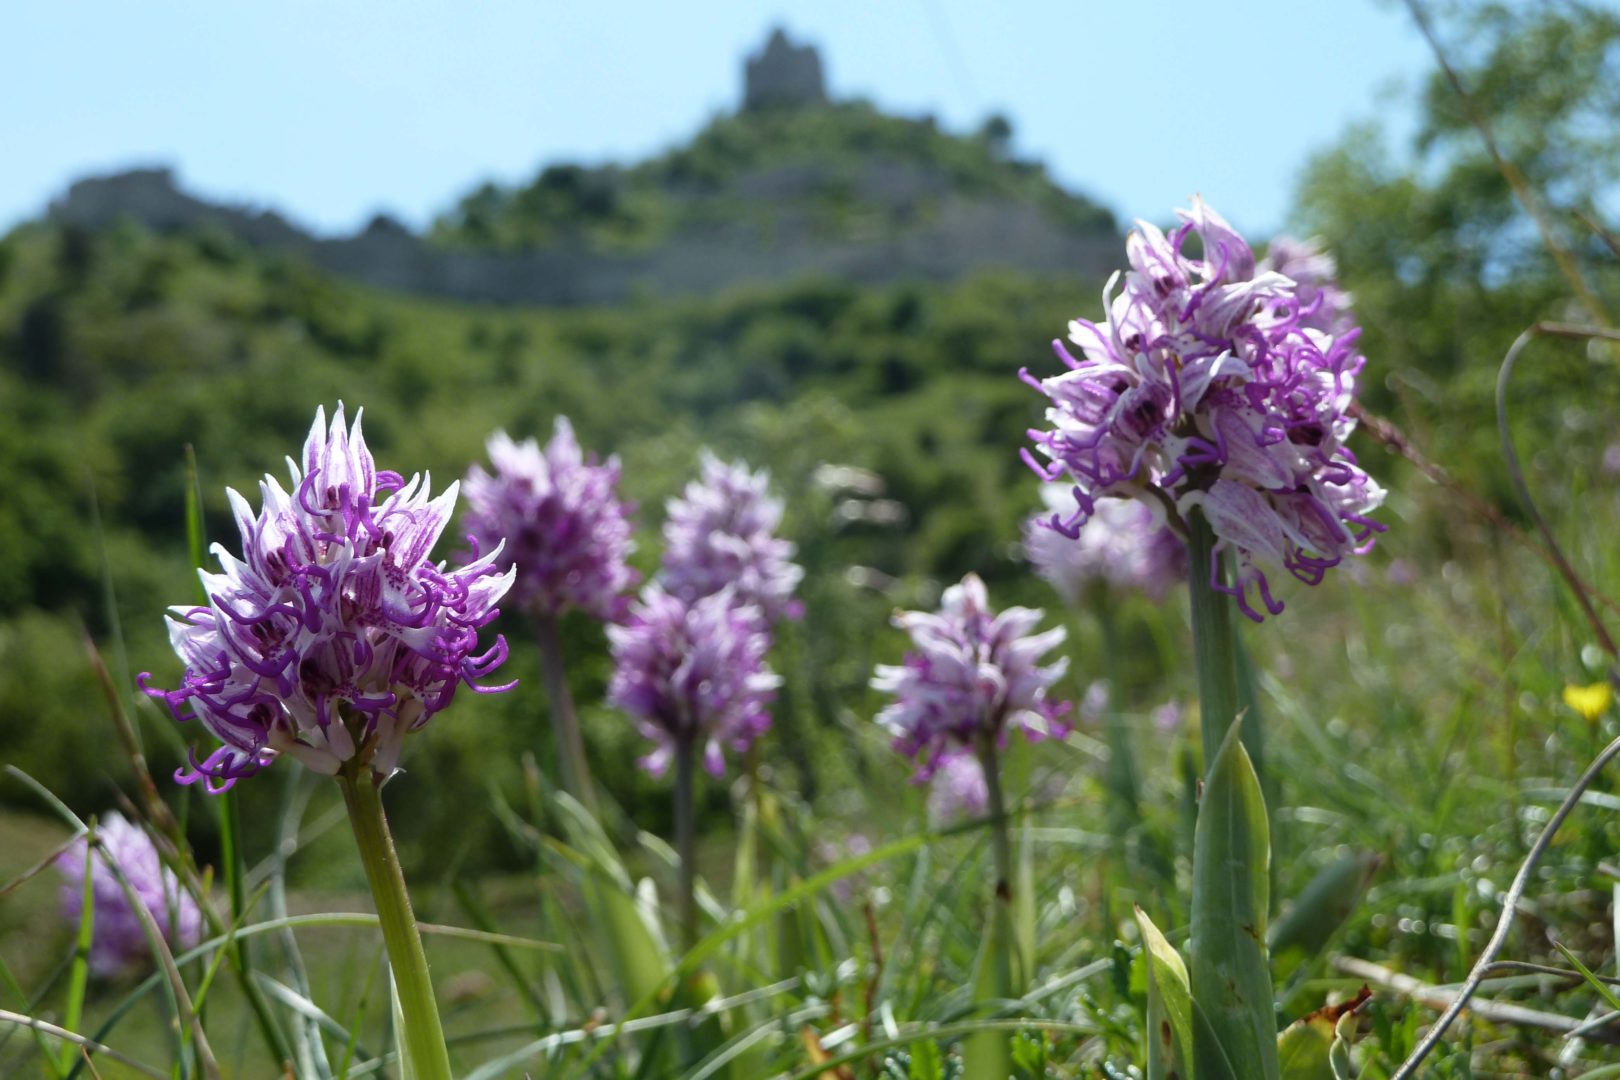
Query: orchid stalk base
422, 1037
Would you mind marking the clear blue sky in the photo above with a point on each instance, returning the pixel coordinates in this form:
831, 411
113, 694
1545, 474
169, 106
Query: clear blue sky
331, 111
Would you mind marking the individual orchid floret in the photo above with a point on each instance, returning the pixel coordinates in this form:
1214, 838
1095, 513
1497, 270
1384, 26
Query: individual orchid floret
1209, 386
1095, 702
722, 532
970, 676
694, 672
832, 852
1168, 718
1324, 305
562, 523
118, 942
1611, 459
333, 636
1125, 546
958, 791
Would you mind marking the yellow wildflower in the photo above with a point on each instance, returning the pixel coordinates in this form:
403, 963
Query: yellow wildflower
1590, 701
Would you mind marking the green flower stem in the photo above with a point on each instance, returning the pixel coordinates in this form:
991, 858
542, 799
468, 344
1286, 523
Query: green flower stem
999, 970
79, 980
576, 770
1214, 643
1254, 725
1000, 837
422, 1035
1122, 780
1254, 741
1229, 970
686, 838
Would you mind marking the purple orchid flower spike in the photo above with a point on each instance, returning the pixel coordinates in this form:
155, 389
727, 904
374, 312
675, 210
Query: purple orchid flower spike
562, 524
1221, 383
332, 636
119, 943
971, 674
693, 671
721, 533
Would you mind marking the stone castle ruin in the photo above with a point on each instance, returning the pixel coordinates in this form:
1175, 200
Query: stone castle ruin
964, 234
783, 74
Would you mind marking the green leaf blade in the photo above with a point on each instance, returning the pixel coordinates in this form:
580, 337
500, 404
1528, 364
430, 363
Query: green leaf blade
1170, 1009
1229, 968
988, 1053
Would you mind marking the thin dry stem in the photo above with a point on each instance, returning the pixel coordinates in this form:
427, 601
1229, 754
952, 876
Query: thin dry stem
165, 958
1510, 172
1516, 471
1387, 432
1504, 923
877, 969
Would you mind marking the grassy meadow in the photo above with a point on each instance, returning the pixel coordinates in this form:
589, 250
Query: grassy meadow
1418, 716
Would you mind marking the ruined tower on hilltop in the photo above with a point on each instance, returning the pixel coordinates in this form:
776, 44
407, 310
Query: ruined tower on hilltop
784, 75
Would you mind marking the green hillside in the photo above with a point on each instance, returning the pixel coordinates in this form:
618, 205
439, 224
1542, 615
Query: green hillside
844, 170
122, 348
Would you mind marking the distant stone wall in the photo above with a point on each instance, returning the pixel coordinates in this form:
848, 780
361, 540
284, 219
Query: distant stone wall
957, 236
151, 197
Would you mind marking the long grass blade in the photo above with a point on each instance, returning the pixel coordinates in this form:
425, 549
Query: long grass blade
366, 988
521, 982
73, 1039
30, 1003
79, 977
1592, 980
303, 1006
37, 868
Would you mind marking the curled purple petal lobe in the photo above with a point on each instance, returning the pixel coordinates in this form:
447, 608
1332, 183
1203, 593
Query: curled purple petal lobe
958, 791
1125, 545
